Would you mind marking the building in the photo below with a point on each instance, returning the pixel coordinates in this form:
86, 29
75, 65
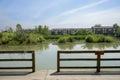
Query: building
103, 30
61, 31
97, 30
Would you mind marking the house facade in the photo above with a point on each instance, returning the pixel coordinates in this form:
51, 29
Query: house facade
103, 30
61, 31
97, 30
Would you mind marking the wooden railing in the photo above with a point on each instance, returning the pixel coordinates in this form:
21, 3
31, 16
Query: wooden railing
98, 59
19, 52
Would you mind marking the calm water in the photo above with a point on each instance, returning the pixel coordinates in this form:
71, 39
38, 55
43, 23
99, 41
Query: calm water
46, 54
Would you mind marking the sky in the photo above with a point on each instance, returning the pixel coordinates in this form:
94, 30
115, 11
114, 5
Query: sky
59, 13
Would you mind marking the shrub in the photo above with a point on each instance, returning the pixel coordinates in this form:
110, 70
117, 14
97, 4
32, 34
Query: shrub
109, 39
34, 38
90, 38
99, 38
81, 37
62, 40
70, 39
65, 39
13, 42
6, 37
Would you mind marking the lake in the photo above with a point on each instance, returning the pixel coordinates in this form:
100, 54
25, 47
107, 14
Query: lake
46, 54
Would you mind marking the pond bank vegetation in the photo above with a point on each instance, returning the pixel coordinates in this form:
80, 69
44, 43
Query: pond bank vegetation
42, 34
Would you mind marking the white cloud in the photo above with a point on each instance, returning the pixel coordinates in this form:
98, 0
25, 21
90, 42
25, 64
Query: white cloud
106, 17
80, 17
84, 7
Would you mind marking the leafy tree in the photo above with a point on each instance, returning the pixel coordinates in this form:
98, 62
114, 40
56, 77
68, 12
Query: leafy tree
97, 25
6, 37
20, 35
116, 26
10, 29
45, 30
18, 28
118, 32
117, 29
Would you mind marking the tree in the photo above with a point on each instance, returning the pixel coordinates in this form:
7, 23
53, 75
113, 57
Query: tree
97, 25
45, 30
117, 29
118, 32
10, 30
20, 35
116, 26
19, 28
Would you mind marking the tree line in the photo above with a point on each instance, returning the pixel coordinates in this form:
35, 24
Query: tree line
42, 33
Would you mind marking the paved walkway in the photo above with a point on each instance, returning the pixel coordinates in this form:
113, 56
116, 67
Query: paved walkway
52, 75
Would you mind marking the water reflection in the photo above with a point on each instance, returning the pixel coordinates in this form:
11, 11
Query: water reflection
40, 47
66, 46
103, 46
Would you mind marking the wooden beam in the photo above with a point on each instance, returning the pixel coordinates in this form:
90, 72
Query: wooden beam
15, 59
15, 67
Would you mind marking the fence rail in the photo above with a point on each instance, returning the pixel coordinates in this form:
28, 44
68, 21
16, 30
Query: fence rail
98, 59
19, 52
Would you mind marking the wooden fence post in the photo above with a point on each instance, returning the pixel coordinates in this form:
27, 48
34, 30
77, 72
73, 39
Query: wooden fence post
58, 61
33, 61
99, 53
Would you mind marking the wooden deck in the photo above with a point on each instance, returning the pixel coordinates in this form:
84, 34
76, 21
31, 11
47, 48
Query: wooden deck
52, 75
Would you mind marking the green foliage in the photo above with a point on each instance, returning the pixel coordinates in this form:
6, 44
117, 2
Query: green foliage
65, 39
62, 40
118, 32
18, 28
34, 38
99, 38
13, 42
109, 39
10, 30
6, 37
80, 37
97, 25
43, 30
52, 36
90, 38
20, 36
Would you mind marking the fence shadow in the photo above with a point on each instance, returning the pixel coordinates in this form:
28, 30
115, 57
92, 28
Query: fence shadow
86, 73
14, 73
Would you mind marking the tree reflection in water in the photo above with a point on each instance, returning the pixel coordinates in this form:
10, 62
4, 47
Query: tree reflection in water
41, 47
103, 46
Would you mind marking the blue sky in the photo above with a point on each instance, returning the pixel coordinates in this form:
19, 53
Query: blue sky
59, 13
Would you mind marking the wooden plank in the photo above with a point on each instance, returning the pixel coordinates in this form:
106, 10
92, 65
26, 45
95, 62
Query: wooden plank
78, 59
110, 59
15, 59
89, 51
68, 52
6, 52
110, 67
77, 67
15, 67
112, 51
